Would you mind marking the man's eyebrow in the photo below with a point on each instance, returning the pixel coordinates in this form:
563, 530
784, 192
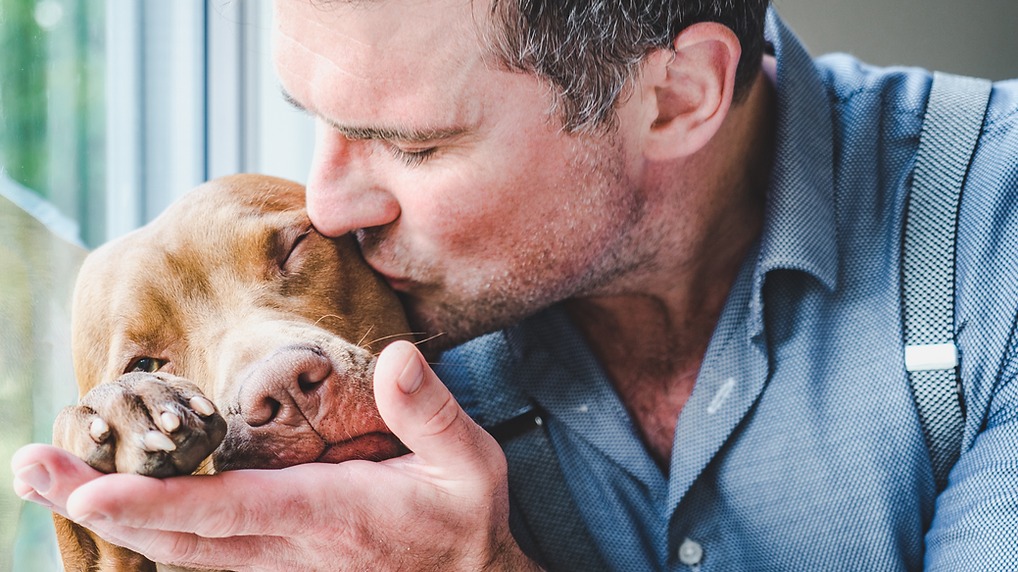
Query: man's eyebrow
411, 135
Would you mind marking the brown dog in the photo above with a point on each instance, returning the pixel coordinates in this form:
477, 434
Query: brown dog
229, 298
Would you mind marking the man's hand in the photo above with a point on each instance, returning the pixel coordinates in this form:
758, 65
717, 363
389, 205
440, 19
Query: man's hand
443, 506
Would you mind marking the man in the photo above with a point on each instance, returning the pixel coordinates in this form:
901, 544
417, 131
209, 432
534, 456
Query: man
689, 263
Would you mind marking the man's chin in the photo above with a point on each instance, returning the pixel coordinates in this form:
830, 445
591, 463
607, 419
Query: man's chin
442, 328
434, 339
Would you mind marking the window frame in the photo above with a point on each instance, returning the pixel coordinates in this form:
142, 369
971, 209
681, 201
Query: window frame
191, 95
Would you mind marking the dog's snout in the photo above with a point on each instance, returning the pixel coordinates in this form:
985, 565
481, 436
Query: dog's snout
314, 372
284, 388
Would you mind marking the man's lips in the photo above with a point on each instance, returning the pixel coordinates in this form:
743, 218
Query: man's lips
398, 284
386, 275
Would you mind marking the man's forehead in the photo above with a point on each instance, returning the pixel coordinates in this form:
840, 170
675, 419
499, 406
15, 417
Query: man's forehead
386, 58
362, 33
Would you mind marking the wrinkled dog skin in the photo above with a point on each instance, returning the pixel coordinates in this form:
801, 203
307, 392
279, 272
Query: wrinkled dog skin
226, 334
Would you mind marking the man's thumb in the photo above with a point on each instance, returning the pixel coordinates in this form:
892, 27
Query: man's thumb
421, 411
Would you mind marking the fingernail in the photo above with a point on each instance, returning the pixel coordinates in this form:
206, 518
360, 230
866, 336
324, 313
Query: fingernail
36, 498
35, 476
413, 375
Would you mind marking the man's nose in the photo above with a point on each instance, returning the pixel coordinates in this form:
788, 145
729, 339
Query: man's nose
344, 192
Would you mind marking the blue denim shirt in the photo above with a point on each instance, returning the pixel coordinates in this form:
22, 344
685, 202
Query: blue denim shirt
800, 447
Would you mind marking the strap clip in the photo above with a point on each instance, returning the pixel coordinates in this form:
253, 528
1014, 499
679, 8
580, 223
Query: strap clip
930, 357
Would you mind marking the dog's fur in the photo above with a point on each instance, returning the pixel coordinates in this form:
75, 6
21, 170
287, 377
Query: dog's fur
232, 296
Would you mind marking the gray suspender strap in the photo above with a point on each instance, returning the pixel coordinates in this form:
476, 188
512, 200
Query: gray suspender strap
951, 126
544, 517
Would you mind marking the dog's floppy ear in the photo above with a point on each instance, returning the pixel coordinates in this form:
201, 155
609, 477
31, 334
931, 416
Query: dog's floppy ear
83, 551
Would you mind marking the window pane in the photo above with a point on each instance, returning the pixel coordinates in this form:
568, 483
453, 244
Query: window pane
52, 148
52, 114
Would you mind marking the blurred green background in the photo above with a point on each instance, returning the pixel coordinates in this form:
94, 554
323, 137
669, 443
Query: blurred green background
52, 104
36, 377
52, 123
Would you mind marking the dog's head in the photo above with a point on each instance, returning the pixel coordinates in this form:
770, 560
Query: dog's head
232, 288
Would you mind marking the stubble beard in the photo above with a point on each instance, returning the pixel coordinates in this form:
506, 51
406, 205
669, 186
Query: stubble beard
448, 321
447, 315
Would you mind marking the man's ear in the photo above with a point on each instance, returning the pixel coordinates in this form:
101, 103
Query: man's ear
690, 89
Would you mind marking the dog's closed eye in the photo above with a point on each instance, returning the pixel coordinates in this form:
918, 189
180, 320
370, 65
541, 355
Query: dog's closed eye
145, 364
292, 254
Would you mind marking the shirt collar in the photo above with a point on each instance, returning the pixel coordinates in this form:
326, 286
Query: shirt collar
545, 358
800, 224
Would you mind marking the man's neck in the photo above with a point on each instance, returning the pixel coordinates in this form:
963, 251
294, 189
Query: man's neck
651, 331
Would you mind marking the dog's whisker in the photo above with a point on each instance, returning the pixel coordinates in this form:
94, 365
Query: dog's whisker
340, 318
365, 336
391, 336
428, 339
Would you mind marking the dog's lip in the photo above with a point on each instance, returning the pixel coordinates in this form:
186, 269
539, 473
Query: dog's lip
373, 446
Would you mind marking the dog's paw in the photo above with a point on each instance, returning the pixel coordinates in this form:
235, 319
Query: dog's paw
146, 423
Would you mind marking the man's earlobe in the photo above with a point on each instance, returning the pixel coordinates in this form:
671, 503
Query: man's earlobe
692, 89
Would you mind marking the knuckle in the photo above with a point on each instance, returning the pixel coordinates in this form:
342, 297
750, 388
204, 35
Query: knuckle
171, 548
226, 523
183, 549
445, 418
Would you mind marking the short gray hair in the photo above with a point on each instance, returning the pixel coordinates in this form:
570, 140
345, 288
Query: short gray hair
590, 50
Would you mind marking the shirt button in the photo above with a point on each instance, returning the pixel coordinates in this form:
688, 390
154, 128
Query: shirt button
690, 552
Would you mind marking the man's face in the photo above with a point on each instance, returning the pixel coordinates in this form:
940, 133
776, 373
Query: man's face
453, 173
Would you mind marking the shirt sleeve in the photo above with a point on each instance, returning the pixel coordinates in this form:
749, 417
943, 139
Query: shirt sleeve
975, 525
975, 522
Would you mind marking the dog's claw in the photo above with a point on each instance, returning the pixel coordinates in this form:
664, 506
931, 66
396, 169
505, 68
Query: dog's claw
155, 442
99, 430
203, 406
169, 421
